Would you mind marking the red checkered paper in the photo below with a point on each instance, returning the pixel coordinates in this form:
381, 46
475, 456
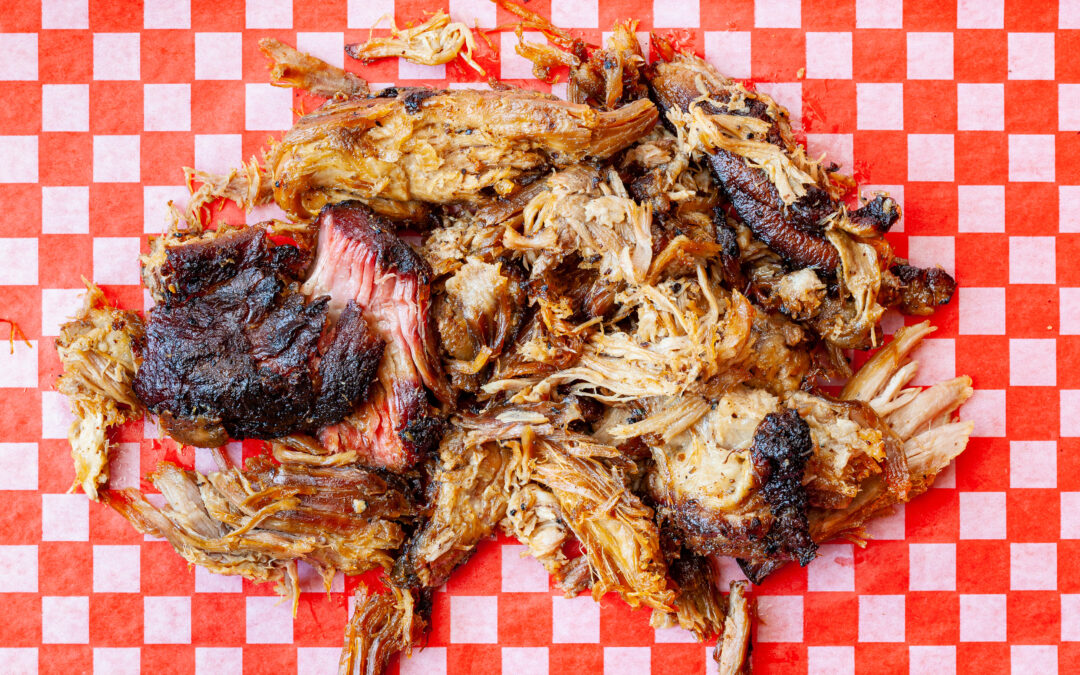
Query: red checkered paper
968, 112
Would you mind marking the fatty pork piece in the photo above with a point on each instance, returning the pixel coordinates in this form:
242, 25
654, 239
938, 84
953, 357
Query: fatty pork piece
421, 145
234, 350
258, 523
789, 201
99, 350
360, 262
381, 625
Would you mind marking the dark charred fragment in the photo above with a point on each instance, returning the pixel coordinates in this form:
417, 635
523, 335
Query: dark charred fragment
728, 239
917, 290
709, 533
236, 351
878, 215
415, 99
779, 453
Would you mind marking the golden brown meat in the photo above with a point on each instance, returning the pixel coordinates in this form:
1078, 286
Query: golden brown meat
100, 352
382, 625
439, 147
291, 68
732, 652
431, 43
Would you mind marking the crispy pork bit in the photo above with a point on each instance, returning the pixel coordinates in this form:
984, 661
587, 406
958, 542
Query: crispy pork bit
432, 43
100, 352
781, 447
440, 147
361, 262
382, 625
291, 68
732, 652
234, 351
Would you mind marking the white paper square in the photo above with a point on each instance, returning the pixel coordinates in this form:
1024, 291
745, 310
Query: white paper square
728, 570
521, 573
787, 94
1032, 362
626, 661
266, 107
781, 618
933, 251
982, 515
208, 582
1070, 617
65, 517
329, 47
1034, 659
674, 635
262, 14
21, 660
879, 105
575, 13
980, 14
830, 661
364, 13
838, 148
1033, 464
24, 250
525, 660
167, 107
56, 417
156, 218
418, 71
116, 56
982, 208
828, 56
116, 260
65, 620
729, 51
940, 660
930, 157
513, 66
1069, 107
20, 565
474, 12
574, 620
833, 569
930, 56
218, 56
889, 527
65, 107
20, 155
316, 660
65, 14
676, 14
427, 661
19, 466
982, 311
932, 567
20, 52
1032, 260
1033, 567
269, 621
116, 159
474, 619
65, 210
1031, 157
1031, 56
983, 618
218, 153
167, 620
219, 661
1070, 421
879, 13
117, 660
937, 361
167, 14
116, 569
980, 106
986, 408
1070, 515
881, 618
776, 14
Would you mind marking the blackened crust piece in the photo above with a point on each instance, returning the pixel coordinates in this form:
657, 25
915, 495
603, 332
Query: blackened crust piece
779, 453
234, 351
920, 290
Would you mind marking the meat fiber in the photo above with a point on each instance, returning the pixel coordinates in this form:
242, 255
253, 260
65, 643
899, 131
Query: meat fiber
233, 350
361, 261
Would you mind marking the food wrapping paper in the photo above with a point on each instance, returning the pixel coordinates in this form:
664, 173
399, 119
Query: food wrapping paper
968, 112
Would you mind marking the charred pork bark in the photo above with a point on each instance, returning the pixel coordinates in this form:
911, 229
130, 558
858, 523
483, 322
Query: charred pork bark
361, 262
233, 350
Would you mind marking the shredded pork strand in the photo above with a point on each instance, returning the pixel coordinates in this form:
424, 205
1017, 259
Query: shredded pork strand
291, 68
431, 43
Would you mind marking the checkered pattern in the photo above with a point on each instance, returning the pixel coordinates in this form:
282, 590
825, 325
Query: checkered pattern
967, 111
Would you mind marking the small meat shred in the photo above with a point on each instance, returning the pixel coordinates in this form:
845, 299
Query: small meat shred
382, 625
431, 43
100, 352
732, 652
291, 68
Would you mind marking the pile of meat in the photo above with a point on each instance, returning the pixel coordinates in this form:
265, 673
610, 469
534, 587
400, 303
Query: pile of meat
616, 322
